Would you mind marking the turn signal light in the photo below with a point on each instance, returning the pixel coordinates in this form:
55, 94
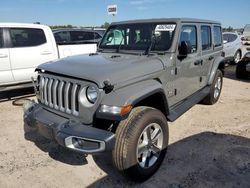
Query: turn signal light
126, 109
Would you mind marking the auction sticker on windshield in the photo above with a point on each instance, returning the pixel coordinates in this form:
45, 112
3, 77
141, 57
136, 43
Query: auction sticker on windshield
165, 27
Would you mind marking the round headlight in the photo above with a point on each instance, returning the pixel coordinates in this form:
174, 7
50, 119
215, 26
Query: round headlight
91, 94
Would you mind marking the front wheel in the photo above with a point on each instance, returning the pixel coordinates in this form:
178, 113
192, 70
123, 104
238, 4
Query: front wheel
141, 143
215, 90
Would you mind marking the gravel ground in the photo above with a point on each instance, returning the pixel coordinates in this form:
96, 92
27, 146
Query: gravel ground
209, 147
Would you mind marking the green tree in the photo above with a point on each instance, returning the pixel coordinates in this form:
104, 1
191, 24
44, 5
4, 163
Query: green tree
228, 29
105, 25
61, 26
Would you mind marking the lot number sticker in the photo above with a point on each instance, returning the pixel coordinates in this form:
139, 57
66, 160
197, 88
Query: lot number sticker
165, 27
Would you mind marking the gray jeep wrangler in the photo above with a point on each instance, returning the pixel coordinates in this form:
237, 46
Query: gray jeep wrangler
120, 99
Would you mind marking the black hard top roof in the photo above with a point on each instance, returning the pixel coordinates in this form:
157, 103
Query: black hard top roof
173, 20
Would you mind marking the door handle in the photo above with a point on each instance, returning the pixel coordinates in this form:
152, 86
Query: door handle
211, 58
198, 62
46, 53
3, 55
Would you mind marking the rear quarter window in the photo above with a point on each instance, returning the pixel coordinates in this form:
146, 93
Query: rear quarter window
217, 36
27, 37
229, 37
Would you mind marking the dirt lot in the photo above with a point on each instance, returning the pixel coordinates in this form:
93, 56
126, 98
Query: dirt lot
209, 147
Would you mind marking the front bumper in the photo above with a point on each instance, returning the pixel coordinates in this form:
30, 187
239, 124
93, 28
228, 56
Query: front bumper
70, 134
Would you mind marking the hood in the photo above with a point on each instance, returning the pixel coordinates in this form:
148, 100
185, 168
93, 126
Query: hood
115, 68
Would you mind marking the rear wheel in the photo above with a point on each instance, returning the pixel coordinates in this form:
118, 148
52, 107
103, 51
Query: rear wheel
141, 143
237, 57
215, 90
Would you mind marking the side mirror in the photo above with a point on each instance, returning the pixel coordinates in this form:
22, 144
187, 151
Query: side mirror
242, 38
183, 50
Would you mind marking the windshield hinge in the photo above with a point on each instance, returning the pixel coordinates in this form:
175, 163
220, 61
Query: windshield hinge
108, 87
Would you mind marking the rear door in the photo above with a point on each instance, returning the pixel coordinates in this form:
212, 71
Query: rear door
29, 48
207, 53
6, 76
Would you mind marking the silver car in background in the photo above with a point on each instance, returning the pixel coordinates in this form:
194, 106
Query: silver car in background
246, 35
232, 46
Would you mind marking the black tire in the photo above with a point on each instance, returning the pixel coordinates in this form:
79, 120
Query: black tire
241, 71
128, 136
237, 56
211, 98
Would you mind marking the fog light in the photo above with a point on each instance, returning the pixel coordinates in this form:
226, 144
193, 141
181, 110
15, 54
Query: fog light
78, 142
85, 145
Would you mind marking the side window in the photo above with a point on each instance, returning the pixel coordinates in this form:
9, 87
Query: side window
89, 36
97, 36
81, 35
189, 35
27, 37
225, 37
229, 37
232, 37
114, 37
62, 37
206, 40
1, 38
76, 35
217, 36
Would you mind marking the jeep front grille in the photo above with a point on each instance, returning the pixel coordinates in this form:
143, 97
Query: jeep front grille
59, 94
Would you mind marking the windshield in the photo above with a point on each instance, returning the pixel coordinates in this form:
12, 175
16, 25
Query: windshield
157, 36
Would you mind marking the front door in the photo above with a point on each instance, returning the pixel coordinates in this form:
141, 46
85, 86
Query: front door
188, 69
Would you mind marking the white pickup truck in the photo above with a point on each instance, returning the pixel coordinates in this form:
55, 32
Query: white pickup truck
24, 46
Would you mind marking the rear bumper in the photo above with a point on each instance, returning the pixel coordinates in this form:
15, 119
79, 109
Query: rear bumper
69, 134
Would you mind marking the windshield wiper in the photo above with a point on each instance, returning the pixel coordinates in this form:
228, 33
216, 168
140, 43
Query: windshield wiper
118, 49
153, 40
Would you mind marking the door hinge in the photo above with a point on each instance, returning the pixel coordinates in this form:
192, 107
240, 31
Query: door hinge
175, 71
175, 91
200, 79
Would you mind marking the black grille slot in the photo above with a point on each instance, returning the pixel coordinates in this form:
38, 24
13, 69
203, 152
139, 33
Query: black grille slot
76, 99
63, 95
70, 95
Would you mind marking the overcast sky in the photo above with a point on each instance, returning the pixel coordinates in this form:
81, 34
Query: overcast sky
235, 13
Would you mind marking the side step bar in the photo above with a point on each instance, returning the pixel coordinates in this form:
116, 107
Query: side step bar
179, 109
